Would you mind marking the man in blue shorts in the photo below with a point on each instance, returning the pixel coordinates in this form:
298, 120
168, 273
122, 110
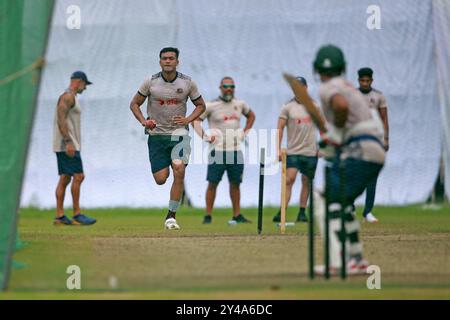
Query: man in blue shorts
224, 115
301, 150
67, 146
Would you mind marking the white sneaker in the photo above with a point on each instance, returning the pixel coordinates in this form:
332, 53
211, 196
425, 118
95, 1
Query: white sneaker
171, 224
370, 218
355, 267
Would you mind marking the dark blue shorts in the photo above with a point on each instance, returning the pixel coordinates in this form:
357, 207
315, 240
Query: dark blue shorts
357, 175
67, 165
306, 165
220, 161
163, 149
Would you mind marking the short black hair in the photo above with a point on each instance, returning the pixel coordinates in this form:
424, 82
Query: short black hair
226, 78
169, 49
365, 72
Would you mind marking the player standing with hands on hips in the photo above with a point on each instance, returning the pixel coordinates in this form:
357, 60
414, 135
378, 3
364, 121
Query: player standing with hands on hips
168, 142
224, 115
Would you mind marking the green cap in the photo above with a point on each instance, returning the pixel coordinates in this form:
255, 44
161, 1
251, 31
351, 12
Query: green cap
329, 60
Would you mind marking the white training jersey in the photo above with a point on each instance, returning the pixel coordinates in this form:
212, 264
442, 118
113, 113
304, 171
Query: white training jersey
360, 120
167, 99
301, 131
224, 122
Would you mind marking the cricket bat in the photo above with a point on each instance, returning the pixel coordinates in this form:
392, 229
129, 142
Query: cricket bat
303, 97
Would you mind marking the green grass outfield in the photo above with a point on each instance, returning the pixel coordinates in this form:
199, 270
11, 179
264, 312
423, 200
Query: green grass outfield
411, 245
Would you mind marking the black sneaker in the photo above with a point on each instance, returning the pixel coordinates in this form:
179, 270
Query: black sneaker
207, 219
277, 217
241, 219
302, 217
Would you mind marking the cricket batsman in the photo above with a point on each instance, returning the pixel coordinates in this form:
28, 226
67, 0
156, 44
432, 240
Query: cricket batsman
355, 136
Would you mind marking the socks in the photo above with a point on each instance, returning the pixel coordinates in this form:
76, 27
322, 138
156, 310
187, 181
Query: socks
170, 215
173, 207
302, 211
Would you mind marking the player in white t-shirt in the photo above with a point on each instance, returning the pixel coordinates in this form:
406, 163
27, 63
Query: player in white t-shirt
225, 135
301, 150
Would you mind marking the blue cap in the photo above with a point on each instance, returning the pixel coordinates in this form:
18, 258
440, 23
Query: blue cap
80, 75
302, 80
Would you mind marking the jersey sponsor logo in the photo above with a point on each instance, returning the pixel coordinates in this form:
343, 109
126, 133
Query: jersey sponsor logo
304, 120
168, 102
232, 117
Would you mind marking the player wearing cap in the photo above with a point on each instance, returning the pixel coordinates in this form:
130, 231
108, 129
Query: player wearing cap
67, 146
378, 105
356, 137
168, 142
301, 150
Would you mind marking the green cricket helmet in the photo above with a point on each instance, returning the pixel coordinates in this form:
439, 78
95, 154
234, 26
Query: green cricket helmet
329, 61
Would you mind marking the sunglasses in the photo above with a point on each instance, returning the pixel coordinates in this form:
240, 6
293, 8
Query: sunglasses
227, 86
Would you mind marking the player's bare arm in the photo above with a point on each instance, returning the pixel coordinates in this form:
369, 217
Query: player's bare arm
250, 121
65, 103
198, 128
340, 108
135, 107
200, 107
384, 117
280, 127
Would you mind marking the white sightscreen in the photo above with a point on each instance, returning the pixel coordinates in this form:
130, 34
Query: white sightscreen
253, 41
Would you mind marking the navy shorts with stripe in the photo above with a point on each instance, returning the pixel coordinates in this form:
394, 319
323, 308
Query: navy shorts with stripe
230, 161
306, 165
67, 165
163, 149
357, 174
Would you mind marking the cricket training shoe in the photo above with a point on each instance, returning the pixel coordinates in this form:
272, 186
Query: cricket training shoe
370, 218
357, 266
277, 217
207, 219
81, 219
241, 219
62, 221
302, 217
171, 224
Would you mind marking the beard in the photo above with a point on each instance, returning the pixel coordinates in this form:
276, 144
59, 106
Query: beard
226, 97
365, 91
